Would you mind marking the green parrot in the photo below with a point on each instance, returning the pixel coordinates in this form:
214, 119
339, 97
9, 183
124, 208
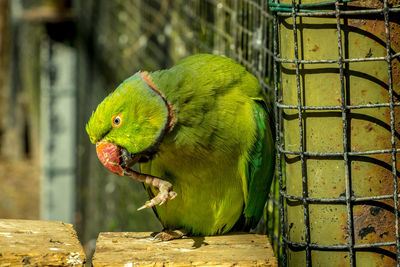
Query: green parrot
201, 133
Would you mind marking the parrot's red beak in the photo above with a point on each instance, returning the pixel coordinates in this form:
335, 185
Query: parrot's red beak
117, 159
109, 155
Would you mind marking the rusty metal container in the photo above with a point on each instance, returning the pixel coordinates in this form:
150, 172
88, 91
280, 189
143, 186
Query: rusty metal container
339, 88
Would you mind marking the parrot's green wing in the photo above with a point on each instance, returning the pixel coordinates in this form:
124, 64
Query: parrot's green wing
260, 165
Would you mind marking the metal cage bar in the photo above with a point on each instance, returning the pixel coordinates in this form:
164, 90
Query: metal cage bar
278, 130
392, 127
347, 175
301, 148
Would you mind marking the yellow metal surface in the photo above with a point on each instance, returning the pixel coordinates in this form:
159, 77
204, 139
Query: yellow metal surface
368, 129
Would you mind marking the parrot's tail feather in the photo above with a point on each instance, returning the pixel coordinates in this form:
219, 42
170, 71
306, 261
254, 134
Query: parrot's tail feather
163, 186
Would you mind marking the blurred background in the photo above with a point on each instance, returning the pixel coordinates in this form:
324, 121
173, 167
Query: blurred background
60, 58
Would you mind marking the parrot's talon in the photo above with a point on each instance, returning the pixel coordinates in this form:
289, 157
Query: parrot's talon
142, 208
160, 199
172, 195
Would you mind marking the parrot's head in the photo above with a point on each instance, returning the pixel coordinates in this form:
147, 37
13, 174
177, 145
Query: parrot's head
129, 124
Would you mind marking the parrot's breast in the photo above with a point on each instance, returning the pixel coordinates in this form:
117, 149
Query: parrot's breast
209, 199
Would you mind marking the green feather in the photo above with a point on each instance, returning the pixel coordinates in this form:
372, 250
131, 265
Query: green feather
260, 168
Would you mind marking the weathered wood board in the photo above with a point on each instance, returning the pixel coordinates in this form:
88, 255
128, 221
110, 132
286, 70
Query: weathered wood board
39, 243
140, 249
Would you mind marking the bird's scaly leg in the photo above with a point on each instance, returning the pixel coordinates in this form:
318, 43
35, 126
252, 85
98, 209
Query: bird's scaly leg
163, 186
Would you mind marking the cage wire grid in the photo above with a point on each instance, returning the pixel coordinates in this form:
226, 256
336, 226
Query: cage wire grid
339, 11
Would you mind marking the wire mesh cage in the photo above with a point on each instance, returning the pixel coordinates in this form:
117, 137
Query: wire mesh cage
337, 108
155, 34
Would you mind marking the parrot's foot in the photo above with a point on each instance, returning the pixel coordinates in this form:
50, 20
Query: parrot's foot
163, 186
167, 235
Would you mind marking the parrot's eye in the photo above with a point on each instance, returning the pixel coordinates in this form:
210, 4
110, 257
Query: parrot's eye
116, 120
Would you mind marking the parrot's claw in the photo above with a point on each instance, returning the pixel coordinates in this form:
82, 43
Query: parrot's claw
160, 199
167, 235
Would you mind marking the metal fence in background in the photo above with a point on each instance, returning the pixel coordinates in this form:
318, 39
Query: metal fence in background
153, 34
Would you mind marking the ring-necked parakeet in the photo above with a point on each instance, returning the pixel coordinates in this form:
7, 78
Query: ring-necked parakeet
202, 135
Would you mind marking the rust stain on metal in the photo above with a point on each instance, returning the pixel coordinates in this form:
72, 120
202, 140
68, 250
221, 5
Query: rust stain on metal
365, 231
375, 210
376, 228
368, 127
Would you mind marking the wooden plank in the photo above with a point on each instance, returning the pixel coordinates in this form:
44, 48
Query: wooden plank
140, 249
39, 243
